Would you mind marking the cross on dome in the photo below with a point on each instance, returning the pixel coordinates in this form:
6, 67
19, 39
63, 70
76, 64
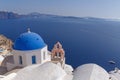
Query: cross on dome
28, 30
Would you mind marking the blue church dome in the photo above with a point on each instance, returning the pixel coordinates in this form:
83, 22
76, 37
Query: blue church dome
29, 41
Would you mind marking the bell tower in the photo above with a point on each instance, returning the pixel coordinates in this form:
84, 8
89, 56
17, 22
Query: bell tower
58, 55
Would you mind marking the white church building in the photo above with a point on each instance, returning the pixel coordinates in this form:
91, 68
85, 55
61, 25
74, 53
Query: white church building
29, 48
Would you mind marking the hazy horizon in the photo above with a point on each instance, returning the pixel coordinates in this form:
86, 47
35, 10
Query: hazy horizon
79, 8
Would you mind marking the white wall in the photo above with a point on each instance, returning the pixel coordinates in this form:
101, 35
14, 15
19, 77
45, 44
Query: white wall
16, 55
27, 56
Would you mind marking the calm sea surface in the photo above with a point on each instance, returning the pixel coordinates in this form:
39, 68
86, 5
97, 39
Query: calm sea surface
84, 40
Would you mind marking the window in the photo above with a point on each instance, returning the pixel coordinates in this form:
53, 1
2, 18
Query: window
33, 59
20, 60
59, 54
44, 57
55, 54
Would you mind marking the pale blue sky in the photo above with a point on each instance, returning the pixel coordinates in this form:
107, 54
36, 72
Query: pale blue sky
80, 8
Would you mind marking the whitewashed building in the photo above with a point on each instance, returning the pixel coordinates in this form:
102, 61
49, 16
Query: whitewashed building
29, 48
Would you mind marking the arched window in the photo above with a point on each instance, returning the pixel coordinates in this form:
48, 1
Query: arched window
20, 60
56, 54
33, 59
59, 54
44, 55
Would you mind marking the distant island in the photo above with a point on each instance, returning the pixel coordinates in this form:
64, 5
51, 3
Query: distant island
8, 15
12, 15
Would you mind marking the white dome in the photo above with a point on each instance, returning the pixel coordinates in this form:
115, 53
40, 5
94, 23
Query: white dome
90, 72
46, 71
